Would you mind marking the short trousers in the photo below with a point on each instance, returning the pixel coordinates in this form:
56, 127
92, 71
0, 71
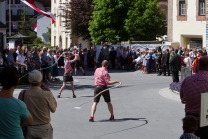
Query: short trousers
50, 70
106, 94
67, 78
78, 64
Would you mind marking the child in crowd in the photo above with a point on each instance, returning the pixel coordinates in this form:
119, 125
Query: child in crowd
190, 125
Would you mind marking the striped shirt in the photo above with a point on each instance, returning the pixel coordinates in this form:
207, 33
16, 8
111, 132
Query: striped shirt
191, 90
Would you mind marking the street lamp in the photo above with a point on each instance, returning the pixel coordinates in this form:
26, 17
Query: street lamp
117, 38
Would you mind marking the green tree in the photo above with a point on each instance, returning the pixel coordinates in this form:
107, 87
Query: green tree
108, 20
145, 20
49, 34
135, 20
24, 24
80, 13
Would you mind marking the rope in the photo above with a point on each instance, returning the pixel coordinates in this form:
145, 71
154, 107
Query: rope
79, 107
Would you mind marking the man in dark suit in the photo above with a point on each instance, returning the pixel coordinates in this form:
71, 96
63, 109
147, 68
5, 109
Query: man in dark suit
166, 63
175, 66
113, 57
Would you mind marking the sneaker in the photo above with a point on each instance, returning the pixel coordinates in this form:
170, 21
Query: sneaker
84, 74
91, 120
74, 96
59, 96
111, 118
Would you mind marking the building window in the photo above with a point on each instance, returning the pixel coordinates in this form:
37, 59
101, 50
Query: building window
9, 0
201, 7
7, 12
17, 1
182, 8
19, 12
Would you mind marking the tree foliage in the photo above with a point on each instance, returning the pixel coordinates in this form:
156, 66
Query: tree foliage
145, 20
81, 11
25, 28
108, 20
135, 20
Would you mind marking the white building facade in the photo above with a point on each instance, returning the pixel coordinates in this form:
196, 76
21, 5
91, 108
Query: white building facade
60, 35
186, 23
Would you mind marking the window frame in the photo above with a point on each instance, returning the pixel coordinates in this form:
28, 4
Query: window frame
182, 8
202, 8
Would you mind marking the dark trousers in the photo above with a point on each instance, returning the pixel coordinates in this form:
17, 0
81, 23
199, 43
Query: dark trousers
201, 132
149, 66
44, 72
113, 63
165, 69
175, 76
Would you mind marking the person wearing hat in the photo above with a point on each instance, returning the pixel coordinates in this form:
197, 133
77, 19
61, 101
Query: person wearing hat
40, 102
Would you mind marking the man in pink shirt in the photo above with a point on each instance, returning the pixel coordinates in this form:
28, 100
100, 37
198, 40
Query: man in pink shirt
190, 94
102, 79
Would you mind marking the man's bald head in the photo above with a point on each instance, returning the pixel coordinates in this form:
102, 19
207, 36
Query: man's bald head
203, 63
105, 63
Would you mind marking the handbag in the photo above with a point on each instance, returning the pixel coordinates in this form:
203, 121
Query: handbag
24, 128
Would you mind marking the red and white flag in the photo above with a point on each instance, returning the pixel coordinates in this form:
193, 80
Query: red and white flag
35, 27
31, 4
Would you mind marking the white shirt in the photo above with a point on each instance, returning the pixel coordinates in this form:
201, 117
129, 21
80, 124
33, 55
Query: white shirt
138, 60
187, 61
21, 59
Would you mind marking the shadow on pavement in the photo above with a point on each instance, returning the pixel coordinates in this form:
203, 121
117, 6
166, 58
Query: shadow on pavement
123, 120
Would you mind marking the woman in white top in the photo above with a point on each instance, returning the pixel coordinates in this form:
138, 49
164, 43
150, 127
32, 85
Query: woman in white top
186, 68
187, 60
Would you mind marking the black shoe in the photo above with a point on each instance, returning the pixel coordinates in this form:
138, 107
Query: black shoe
159, 75
74, 96
163, 75
84, 74
111, 118
91, 120
59, 96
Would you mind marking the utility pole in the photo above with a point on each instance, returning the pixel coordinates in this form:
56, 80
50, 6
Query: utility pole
9, 18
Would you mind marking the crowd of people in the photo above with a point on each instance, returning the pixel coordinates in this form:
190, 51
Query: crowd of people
163, 62
26, 59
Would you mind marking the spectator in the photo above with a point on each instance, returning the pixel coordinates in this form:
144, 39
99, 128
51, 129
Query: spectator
166, 63
10, 58
44, 63
190, 125
113, 57
190, 94
13, 111
50, 64
21, 61
40, 102
36, 58
175, 66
